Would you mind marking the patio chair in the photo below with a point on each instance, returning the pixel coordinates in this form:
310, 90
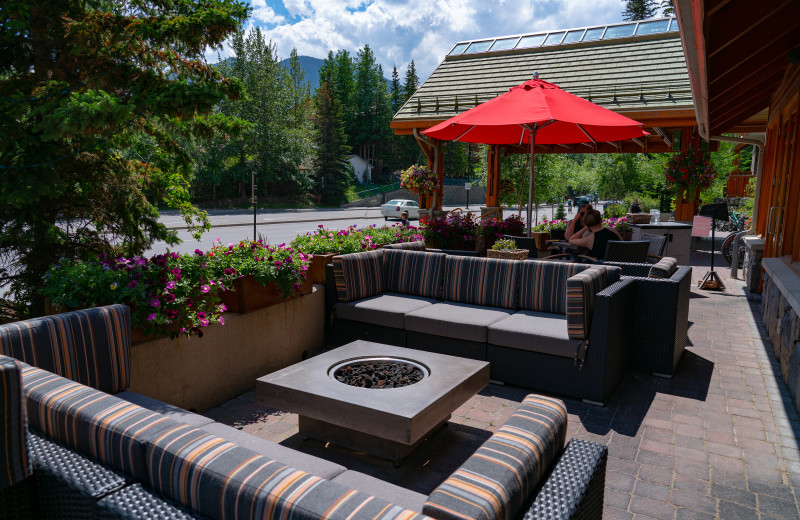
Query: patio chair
627, 251
657, 245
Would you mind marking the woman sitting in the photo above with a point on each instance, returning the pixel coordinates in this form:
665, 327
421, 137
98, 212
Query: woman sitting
576, 224
598, 238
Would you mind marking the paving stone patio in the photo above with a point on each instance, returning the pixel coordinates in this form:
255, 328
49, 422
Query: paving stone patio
719, 440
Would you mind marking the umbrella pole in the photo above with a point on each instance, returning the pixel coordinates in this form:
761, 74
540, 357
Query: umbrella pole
530, 178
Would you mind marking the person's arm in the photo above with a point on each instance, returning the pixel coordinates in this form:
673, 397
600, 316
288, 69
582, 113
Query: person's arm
582, 239
571, 226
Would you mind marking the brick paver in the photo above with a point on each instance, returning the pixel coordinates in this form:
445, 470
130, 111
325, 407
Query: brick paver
718, 440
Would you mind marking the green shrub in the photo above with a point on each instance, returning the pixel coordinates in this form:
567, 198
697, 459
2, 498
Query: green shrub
505, 244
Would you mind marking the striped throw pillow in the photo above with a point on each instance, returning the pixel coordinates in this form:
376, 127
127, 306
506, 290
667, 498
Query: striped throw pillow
497, 481
90, 346
15, 465
358, 275
581, 291
543, 285
664, 268
413, 272
481, 281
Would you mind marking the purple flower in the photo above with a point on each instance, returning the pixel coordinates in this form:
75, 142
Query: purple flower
198, 252
204, 288
230, 270
204, 322
151, 317
201, 314
172, 314
277, 263
221, 320
170, 285
155, 302
132, 284
169, 297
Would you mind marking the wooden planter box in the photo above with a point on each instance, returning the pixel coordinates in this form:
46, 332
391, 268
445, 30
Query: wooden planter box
637, 218
249, 295
317, 269
512, 254
541, 238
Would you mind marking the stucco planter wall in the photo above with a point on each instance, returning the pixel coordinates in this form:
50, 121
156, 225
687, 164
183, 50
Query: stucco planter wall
202, 373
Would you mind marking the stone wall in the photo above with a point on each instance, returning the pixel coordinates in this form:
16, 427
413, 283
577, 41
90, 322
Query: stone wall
453, 196
783, 327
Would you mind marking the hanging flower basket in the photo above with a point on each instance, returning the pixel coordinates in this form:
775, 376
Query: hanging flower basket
419, 180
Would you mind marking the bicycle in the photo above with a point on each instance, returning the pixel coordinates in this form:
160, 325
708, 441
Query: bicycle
727, 249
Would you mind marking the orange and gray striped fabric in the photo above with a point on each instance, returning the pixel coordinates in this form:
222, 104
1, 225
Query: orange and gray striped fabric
498, 480
219, 479
481, 281
90, 346
543, 285
417, 245
110, 430
581, 291
15, 466
358, 275
664, 268
413, 272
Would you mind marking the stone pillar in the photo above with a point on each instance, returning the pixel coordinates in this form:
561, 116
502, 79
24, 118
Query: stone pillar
752, 263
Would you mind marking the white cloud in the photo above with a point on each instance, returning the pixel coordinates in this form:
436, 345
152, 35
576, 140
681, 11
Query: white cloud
423, 30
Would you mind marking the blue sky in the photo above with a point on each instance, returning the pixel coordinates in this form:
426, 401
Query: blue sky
423, 30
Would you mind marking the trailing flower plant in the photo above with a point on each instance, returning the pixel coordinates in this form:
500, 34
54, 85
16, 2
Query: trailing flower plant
618, 223
168, 293
281, 264
511, 225
353, 239
690, 170
454, 231
419, 179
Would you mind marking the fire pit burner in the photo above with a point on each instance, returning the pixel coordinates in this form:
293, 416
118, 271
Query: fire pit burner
379, 372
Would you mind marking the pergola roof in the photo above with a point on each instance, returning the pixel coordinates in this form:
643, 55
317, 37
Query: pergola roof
737, 53
644, 77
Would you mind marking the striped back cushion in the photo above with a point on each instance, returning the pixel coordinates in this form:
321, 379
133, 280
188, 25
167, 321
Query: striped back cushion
15, 465
110, 430
416, 245
581, 291
219, 479
358, 275
413, 272
543, 285
497, 481
481, 281
664, 268
90, 346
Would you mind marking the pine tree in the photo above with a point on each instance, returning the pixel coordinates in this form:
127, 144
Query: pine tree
666, 8
639, 10
411, 82
394, 91
299, 89
87, 86
333, 172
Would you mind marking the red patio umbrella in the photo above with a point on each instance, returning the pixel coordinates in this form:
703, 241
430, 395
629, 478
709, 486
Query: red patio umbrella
537, 112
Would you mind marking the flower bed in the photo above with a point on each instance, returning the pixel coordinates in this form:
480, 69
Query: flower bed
353, 239
170, 293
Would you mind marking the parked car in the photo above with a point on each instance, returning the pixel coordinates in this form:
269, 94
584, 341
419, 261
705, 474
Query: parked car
582, 201
394, 208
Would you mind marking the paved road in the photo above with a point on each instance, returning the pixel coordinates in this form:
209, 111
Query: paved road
276, 226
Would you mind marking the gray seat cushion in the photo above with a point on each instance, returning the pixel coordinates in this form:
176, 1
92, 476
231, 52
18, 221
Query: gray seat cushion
534, 331
173, 412
296, 459
380, 488
456, 320
388, 309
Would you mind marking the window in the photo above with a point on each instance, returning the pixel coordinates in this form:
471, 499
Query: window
458, 49
479, 47
530, 41
594, 34
573, 36
554, 38
619, 31
504, 44
658, 26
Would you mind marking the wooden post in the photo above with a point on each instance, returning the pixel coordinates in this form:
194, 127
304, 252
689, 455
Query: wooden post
493, 177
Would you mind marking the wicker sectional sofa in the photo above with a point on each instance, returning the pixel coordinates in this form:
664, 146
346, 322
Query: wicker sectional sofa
76, 444
550, 326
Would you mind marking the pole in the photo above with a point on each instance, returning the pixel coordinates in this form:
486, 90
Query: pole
532, 131
254, 200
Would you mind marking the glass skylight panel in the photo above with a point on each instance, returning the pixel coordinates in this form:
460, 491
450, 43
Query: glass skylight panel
674, 25
554, 38
593, 34
619, 31
530, 41
659, 26
458, 49
479, 46
573, 36
504, 44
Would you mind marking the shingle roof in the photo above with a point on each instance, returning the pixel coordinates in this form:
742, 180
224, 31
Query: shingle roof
631, 74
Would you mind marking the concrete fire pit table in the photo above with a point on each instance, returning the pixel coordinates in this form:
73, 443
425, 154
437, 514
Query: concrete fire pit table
386, 422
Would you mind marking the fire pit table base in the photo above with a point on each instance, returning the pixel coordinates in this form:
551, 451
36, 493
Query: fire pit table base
358, 441
385, 422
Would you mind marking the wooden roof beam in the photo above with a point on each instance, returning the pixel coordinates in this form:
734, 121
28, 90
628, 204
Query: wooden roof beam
664, 135
732, 101
741, 24
728, 122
